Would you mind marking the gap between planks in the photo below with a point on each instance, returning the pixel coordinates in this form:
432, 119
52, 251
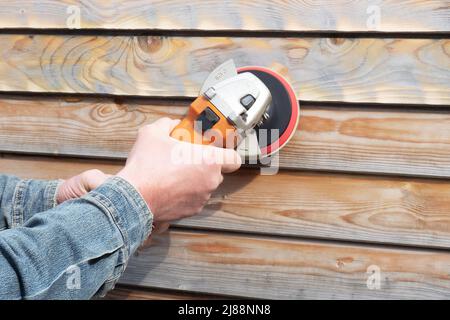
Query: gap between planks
124, 292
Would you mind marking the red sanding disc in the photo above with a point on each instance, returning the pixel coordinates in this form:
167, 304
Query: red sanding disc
283, 111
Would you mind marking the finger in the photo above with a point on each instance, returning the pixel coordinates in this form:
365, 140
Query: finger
161, 227
165, 125
230, 160
91, 179
146, 243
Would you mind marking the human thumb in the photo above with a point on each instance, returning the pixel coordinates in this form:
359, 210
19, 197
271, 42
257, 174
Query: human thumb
165, 125
230, 160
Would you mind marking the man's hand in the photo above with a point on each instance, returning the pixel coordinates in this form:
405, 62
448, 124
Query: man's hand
175, 189
79, 185
87, 181
158, 228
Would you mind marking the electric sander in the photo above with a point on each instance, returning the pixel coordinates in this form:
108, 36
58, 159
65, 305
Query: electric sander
252, 109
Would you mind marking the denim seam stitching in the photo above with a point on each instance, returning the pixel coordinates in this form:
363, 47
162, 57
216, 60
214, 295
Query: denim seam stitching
50, 194
144, 213
62, 273
136, 206
104, 202
17, 204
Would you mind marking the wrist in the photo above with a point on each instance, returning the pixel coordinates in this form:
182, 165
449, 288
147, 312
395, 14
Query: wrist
129, 210
59, 197
135, 181
131, 179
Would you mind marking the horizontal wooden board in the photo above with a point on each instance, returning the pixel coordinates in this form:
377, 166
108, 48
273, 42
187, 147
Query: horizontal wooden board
283, 269
136, 293
415, 71
387, 15
374, 141
344, 207
53, 168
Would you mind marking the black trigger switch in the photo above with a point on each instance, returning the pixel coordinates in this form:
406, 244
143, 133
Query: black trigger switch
247, 101
208, 119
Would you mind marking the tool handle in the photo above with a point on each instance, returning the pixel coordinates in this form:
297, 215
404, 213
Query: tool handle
188, 130
184, 131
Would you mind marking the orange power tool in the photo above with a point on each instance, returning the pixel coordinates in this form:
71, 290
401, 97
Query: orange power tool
252, 109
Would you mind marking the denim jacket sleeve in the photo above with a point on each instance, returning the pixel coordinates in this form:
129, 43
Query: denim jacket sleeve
20, 199
77, 249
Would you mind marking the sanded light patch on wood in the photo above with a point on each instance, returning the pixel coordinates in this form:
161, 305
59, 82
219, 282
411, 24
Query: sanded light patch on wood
338, 15
377, 141
413, 71
345, 207
282, 269
136, 293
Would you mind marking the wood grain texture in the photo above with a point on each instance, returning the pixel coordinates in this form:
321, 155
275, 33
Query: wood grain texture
282, 269
53, 168
337, 15
136, 293
299, 204
415, 71
376, 141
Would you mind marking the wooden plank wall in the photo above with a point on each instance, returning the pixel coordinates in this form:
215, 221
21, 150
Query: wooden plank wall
363, 184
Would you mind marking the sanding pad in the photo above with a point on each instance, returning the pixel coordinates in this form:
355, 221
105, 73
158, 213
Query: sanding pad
283, 110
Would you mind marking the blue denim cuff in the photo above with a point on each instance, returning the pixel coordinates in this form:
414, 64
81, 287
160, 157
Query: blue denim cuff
51, 193
31, 197
128, 210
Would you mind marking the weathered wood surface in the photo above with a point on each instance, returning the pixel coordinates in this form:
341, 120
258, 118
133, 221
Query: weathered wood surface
338, 15
254, 259
32, 167
136, 293
283, 269
415, 71
344, 207
375, 141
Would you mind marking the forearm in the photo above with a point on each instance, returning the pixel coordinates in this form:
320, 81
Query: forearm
88, 239
21, 199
